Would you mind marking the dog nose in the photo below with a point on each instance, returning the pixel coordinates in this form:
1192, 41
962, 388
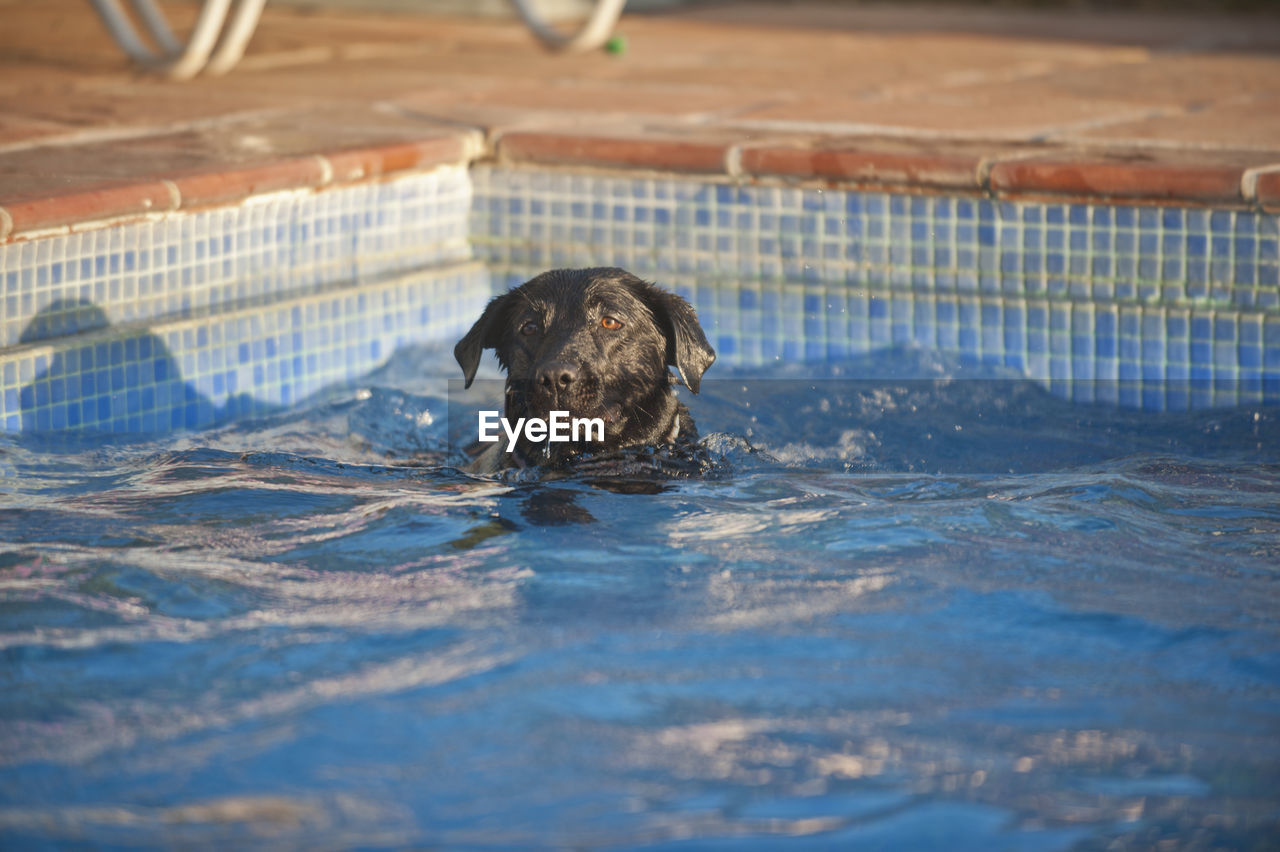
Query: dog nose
558, 375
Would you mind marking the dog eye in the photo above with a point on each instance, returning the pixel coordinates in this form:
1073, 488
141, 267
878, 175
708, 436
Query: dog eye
529, 328
610, 323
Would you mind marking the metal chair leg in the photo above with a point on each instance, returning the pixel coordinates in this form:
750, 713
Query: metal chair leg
121, 29
235, 38
215, 45
153, 19
594, 32
181, 65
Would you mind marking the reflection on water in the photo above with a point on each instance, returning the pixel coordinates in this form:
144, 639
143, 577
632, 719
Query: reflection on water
243, 362
307, 630
131, 381
79, 373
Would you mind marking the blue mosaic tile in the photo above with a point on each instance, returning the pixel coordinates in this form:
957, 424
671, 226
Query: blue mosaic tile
231, 363
1068, 292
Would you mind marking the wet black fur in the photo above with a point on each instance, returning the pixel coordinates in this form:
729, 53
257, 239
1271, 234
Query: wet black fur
621, 374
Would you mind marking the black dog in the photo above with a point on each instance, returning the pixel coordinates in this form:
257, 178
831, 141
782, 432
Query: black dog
595, 343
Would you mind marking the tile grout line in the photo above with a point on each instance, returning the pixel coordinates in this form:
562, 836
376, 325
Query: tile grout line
175, 194
326, 170
733, 160
477, 146
1249, 182
982, 172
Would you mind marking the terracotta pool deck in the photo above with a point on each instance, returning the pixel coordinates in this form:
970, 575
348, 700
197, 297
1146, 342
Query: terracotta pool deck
1127, 107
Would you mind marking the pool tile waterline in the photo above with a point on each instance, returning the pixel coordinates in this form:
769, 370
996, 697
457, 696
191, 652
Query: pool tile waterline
275, 245
192, 374
1147, 307
191, 318
187, 322
1222, 258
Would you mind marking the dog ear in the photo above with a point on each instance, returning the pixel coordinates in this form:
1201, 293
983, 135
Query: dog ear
687, 347
485, 334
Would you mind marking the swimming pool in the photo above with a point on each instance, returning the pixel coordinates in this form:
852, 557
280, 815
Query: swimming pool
970, 583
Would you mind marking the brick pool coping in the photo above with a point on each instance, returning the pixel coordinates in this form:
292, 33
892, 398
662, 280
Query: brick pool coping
959, 167
1189, 117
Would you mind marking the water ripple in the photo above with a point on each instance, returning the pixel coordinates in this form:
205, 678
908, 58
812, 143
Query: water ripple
1052, 626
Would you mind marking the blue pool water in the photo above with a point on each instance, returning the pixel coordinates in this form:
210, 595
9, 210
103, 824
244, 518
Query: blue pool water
930, 606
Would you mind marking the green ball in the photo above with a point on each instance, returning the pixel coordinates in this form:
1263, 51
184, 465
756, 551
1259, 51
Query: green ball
616, 45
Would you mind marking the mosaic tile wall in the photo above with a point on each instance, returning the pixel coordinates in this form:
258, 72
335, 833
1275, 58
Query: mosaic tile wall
188, 319
193, 373
180, 264
1149, 307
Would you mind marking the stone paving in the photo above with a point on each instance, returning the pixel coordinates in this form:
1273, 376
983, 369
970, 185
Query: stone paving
1132, 107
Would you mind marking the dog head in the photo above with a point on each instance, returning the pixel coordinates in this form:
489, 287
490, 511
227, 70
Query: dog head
595, 343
